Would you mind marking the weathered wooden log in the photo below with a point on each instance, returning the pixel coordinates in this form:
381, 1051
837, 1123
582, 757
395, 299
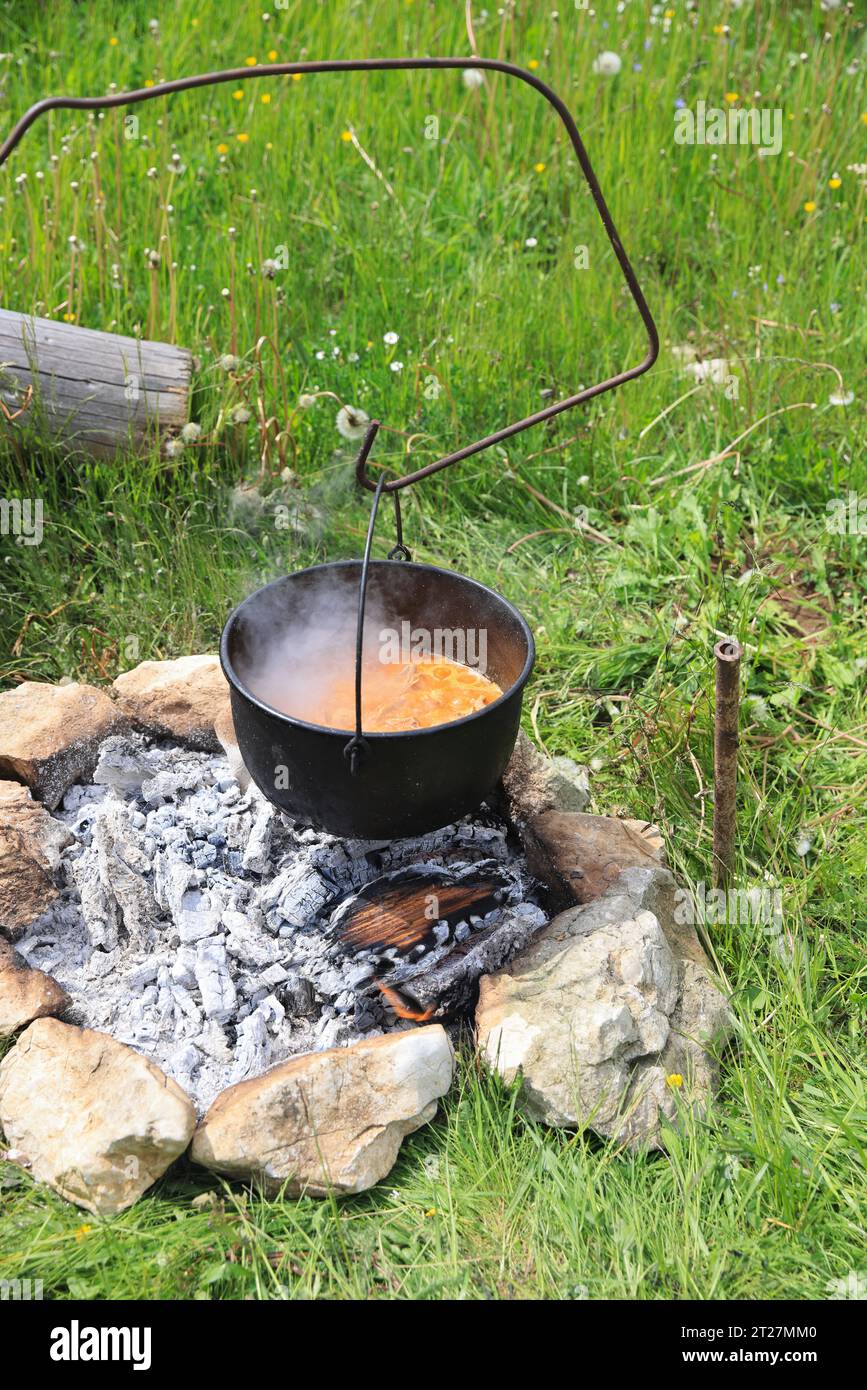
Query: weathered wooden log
98, 392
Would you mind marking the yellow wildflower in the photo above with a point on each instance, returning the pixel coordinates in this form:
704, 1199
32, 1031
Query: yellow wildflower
533, 63
114, 42
82, 1231
835, 182
809, 207
222, 149
675, 1080
70, 318
346, 134
238, 95
242, 136
272, 56
251, 62
731, 97
539, 168
266, 97
296, 76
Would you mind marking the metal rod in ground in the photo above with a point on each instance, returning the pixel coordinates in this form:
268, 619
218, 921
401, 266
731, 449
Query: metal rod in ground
725, 758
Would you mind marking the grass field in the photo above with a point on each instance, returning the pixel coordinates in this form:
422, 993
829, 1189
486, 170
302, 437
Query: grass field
712, 507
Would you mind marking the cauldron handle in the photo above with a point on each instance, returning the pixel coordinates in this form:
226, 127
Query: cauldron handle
358, 745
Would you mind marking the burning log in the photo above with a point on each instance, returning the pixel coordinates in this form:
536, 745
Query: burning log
429, 936
98, 392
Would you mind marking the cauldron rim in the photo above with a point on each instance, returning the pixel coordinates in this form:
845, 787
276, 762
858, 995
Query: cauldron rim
236, 683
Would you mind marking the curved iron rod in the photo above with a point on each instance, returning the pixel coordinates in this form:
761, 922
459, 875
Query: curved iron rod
208, 79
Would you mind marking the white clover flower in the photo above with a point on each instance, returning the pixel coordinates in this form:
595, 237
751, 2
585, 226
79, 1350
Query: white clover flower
229, 362
473, 78
191, 432
608, 64
351, 422
396, 366
531, 242
391, 338
240, 415
841, 397
352, 357
270, 268
803, 847
174, 448
597, 764
305, 402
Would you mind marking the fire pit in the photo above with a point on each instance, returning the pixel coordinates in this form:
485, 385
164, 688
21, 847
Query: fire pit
203, 928
209, 953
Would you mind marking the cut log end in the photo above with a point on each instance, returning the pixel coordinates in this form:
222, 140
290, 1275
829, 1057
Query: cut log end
102, 393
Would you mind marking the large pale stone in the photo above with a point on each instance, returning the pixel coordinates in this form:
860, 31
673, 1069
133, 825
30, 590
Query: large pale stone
30, 844
533, 783
50, 734
328, 1121
25, 993
578, 857
96, 1121
44, 836
180, 699
26, 889
607, 1016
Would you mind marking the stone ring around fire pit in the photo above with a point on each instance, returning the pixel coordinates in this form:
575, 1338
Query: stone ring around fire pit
195, 974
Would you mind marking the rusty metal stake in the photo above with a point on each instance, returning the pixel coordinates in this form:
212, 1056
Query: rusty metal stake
725, 758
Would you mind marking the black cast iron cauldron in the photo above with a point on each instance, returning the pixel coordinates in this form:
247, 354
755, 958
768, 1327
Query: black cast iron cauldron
408, 782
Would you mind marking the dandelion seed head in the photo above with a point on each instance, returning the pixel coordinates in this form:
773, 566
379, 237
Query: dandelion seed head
607, 64
352, 422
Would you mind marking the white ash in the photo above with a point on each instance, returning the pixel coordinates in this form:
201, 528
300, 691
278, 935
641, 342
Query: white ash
195, 921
